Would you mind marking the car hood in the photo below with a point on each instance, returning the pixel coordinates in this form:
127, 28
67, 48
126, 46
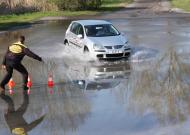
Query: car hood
109, 41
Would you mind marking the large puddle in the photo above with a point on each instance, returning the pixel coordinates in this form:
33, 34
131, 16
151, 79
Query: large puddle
146, 95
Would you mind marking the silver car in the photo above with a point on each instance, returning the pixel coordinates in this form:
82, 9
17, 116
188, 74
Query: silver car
98, 37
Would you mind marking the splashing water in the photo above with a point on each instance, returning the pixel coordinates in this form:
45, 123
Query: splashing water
76, 53
143, 54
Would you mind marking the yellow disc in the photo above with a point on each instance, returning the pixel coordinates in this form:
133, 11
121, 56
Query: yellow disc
19, 131
15, 49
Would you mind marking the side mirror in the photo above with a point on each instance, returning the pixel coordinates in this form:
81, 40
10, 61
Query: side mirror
80, 36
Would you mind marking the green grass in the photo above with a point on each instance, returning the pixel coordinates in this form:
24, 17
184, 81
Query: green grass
9, 21
27, 17
183, 4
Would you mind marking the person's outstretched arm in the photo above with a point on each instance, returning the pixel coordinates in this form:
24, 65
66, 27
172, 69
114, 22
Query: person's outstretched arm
31, 54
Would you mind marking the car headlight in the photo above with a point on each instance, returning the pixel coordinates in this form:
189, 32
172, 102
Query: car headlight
98, 47
126, 45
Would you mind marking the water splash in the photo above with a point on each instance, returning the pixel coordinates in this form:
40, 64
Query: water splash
78, 54
143, 54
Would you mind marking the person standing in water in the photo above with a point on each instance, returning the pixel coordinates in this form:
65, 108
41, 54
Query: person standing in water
12, 60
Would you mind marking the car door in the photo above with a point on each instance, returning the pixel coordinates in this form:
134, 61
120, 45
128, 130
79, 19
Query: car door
73, 34
80, 40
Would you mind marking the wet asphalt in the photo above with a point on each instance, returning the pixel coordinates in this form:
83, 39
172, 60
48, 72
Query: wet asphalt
146, 95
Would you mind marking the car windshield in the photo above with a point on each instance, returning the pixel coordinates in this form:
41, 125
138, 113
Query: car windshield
103, 30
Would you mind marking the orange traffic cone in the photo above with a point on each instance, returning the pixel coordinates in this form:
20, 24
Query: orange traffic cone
29, 83
11, 92
28, 92
50, 81
11, 85
51, 91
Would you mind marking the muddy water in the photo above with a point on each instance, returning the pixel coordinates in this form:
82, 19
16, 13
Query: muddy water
147, 95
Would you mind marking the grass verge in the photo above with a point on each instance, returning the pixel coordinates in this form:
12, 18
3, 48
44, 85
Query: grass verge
9, 21
185, 4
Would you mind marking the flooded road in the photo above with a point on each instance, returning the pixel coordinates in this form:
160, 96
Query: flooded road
149, 94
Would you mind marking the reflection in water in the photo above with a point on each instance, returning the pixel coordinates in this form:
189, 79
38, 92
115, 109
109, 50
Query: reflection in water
154, 91
68, 107
162, 89
14, 118
103, 76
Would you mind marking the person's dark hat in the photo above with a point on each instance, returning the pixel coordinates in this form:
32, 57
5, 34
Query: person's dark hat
22, 39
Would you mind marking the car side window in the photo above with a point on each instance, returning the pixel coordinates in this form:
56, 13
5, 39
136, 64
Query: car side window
77, 29
74, 28
80, 30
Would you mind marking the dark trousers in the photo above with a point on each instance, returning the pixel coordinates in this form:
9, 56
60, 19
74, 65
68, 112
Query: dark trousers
20, 68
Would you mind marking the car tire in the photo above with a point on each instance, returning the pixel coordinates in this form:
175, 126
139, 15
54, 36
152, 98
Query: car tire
86, 50
67, 44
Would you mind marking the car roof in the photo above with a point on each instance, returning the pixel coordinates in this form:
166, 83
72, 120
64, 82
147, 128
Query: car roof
92, 22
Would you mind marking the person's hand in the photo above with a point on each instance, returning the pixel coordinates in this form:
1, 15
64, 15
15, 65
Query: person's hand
3, 67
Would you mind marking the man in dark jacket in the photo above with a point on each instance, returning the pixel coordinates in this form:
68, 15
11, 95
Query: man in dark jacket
12, 60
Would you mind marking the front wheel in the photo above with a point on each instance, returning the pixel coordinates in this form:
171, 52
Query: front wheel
67, 47
67, 44
86, 50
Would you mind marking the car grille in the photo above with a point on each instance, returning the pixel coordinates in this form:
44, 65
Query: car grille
100, 55
114, 55
114, 47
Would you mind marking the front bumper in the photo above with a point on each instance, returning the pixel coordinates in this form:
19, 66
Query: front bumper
125, 53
